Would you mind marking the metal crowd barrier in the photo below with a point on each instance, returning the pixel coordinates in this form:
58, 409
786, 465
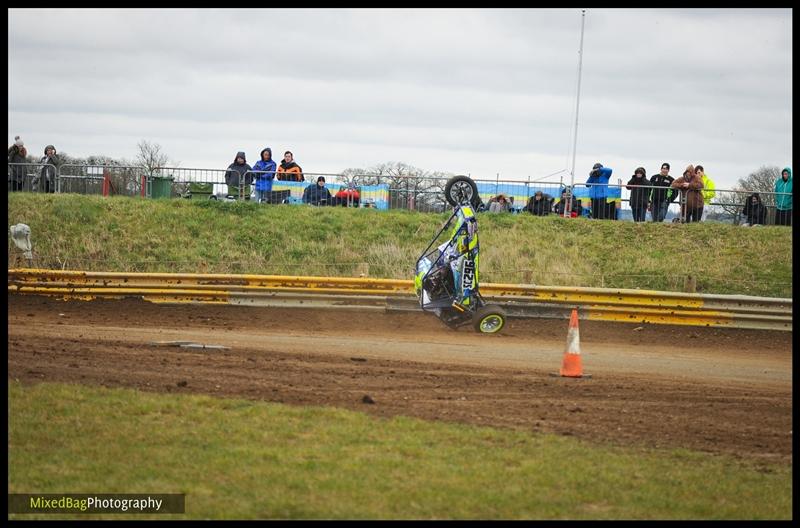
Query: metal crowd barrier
605, 304
410, 192
32, 177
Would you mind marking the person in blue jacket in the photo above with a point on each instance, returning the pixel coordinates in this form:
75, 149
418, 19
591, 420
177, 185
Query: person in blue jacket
783, 198
598, 190
265, 172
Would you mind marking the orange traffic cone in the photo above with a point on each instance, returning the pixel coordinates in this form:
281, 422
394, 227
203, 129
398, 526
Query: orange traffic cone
571, 365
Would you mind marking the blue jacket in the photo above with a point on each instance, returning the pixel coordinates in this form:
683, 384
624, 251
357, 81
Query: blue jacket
784, 201
264, 180
598, 185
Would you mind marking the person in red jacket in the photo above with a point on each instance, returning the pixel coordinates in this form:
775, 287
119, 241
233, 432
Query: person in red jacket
347, 196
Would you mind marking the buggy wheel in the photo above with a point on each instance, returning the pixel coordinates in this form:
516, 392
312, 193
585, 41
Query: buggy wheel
461, 190
489, 319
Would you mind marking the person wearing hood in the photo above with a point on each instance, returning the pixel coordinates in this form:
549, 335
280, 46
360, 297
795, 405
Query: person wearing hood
783, 198
754, 211
265, 173
690, 186
289, 170
47, 176
17, 154
640, 194
598, 190
237, 172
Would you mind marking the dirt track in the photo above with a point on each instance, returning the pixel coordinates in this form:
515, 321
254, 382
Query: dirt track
721, 391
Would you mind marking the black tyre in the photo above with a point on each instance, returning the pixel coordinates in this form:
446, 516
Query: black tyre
461, 190
489, 319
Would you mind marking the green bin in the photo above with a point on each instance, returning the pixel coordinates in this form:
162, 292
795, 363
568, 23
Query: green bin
201, 190
161, 187
233, 190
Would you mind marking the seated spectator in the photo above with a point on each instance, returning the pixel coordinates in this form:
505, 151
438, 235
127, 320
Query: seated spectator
540, 204
237, 172
754, 211
347, 196
317, 193
499, 204
289, 170
575, 208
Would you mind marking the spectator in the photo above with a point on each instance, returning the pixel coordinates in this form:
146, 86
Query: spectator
754, 212
499, 204
347, 196
708, 189
238, 171
17, 153
690, 186
783, 198
662, 196
540, 204
639, 194
47, 176
265, 174
317, 193
598, 191
289, 170
575, 208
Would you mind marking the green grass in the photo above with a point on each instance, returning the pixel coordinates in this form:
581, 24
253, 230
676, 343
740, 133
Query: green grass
246, 459
131, 234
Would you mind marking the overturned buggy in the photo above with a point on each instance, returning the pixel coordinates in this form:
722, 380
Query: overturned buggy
446, 280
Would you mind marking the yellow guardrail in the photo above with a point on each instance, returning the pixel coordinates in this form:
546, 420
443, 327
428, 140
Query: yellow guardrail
607, 304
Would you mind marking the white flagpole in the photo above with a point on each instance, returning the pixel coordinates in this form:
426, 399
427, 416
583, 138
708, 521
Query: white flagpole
577, 107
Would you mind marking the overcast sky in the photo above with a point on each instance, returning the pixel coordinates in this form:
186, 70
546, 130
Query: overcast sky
475, 91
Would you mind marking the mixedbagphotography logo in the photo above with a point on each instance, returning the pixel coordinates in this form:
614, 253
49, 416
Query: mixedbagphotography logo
96, 503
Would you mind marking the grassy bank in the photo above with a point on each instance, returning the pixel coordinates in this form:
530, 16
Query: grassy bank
129, 234
244, 459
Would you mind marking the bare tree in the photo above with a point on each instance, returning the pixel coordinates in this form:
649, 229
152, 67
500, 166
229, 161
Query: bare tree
760, 181
151, 156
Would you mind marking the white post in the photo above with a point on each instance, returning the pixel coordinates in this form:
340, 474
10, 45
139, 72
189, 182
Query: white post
568, 206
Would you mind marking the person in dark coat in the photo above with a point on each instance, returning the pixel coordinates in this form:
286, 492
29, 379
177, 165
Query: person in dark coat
47, 176
540, 204
661, 196
754, 211
317, 193
640, 193
238, 172
17, 154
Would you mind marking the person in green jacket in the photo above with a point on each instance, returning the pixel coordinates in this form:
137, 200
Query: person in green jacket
783, 198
